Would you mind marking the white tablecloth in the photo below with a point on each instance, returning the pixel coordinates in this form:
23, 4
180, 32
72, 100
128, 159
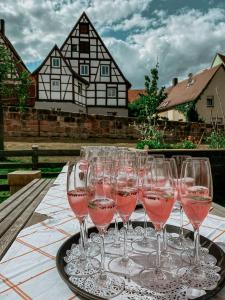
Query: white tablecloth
28, 270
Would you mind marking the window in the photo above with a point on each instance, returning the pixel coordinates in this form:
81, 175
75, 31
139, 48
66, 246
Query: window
55, 85
104, 70
84, 47
56, 62
84, 70
210, 101
111, 92
80, 88
84, 28
74, 48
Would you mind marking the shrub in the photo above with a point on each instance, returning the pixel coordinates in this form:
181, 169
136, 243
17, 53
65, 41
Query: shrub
216, 140
154, 144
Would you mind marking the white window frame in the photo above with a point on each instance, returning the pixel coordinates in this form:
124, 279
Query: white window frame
105, 67
55, 87
84, 66
111, 95
55, 59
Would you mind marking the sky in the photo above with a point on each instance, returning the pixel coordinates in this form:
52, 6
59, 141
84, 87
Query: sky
182, 35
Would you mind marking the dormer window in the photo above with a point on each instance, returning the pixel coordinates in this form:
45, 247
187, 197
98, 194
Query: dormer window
56, 62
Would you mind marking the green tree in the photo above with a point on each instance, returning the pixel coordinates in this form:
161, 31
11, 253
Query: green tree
22, 85
189, 111
145, 108
11, 83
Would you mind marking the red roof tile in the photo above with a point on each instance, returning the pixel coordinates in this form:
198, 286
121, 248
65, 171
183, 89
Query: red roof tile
133, 95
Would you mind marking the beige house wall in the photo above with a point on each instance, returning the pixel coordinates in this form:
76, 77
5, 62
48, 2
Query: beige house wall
65, 106
172, 115
207, 113
107, 111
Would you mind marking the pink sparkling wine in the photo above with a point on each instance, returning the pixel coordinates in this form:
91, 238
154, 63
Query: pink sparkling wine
78, 202
103, 189
158, 204
196, 203
126, 200
101, 211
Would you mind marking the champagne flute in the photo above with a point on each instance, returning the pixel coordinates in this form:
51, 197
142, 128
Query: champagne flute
158, 200
179, 242
101, 208
126, 190
81, 264
197, 201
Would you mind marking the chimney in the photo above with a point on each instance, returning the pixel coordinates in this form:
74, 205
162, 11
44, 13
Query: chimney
175, 81
2, 26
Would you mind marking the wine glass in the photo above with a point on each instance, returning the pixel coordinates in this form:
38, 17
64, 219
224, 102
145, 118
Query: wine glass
179, 242
196, 200
126, 190
80, 264
158, 201
145, 236
101, 208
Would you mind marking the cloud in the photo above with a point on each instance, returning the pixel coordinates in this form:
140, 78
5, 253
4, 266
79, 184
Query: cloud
183, 42
136, 21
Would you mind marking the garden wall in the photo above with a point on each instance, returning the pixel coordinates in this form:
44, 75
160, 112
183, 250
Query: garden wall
57, 124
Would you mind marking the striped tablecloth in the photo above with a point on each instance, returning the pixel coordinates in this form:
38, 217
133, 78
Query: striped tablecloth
28, 270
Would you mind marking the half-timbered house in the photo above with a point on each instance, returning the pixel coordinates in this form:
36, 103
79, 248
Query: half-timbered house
59, 86
17, 68
84, 53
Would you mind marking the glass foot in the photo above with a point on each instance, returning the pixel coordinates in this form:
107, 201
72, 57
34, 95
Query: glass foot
178, 242
206, 259
80, 268
170, 261
124, 266
158, 280
145, 245
199, 277
105, 286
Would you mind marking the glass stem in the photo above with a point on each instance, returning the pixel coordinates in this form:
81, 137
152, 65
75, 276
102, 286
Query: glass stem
158, 253
125, 254
196, 248
85, 232
164, 239
145, 226
117, 238
82, 240
102, 272
181, 222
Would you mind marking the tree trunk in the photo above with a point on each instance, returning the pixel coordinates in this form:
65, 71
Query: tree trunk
1, 126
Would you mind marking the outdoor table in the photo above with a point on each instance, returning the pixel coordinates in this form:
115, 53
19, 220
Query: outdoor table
28, 270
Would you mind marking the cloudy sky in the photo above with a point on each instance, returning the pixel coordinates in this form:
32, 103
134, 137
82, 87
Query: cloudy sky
183, 35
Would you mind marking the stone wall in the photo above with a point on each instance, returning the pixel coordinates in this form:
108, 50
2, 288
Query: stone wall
56, 124
45, 123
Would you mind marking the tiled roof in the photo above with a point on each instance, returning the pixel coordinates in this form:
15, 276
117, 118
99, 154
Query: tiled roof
184, 92
133, 95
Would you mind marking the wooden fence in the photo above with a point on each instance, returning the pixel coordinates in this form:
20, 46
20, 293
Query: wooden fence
34, 154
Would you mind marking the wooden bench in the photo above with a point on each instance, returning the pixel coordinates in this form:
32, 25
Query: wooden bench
17, 210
